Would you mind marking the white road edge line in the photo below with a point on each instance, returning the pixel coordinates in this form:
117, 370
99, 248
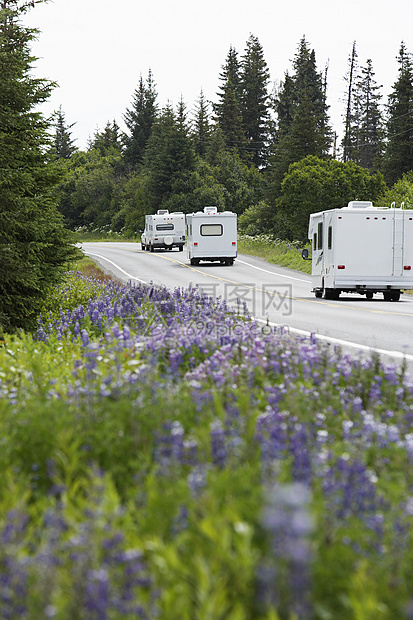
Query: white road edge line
338, 341
279, 275
117, 266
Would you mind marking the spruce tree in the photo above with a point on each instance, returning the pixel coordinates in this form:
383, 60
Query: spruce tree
107, 141
228, 109
303, 123
34, 246
230, 73
169, 156
369, 145
230, 120
63, 144
351, 117
398, 157
139, 120
201, 126
255, 101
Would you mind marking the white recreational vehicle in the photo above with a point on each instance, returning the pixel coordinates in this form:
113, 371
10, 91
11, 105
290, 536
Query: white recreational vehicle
361, 249
212, 236
164, 230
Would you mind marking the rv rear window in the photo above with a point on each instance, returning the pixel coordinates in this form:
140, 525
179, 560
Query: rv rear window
320, 236
164, 227
211, 230
330, 238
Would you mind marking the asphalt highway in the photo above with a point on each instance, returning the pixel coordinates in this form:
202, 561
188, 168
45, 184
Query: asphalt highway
279, 297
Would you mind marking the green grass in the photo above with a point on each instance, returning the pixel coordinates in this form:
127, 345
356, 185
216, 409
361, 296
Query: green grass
284, 253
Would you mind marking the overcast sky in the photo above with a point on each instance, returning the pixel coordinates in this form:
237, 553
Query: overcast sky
96, 50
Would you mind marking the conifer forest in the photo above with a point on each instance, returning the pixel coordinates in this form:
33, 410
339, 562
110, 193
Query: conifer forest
238, 151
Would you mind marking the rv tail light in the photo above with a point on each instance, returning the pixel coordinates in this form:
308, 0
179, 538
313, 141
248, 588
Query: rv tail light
341, 266
195, 242
234, 243
407, 267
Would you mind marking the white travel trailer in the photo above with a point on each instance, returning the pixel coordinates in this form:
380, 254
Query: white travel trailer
361, 249
211, 236
164, 230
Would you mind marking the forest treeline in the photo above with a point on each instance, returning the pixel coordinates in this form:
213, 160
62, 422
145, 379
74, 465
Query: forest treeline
269, 155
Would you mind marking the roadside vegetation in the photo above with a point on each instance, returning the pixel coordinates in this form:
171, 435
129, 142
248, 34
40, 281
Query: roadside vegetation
163, 456
283, 253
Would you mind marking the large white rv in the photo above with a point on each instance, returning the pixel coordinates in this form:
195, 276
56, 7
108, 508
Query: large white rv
211, 236
164, 230
361, 249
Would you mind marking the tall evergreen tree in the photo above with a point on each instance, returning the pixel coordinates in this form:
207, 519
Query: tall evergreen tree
169, 157
398, 157
34, 245
369, 119
363, 130
230, 121
228, 109
139, 120
231, 73
350, 119
309, 81
63, 144
284, 103
303, 123
255, 100
201, 126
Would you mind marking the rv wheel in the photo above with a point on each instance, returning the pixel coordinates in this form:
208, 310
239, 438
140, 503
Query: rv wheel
181, 248
151, 248
331, 293
318, 294
369, 295
395, 295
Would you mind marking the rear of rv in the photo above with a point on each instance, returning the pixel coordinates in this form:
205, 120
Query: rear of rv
164, 230
212, 236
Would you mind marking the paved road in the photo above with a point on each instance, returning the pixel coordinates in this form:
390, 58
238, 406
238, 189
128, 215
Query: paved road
276, 294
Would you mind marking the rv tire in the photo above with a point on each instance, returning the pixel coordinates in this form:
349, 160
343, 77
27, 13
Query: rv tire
331, 293
151, 248
181, 248
318, 294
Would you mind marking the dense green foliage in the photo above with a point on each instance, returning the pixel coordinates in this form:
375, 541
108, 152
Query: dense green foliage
163, 457
34, 247
401, 193
313, 185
